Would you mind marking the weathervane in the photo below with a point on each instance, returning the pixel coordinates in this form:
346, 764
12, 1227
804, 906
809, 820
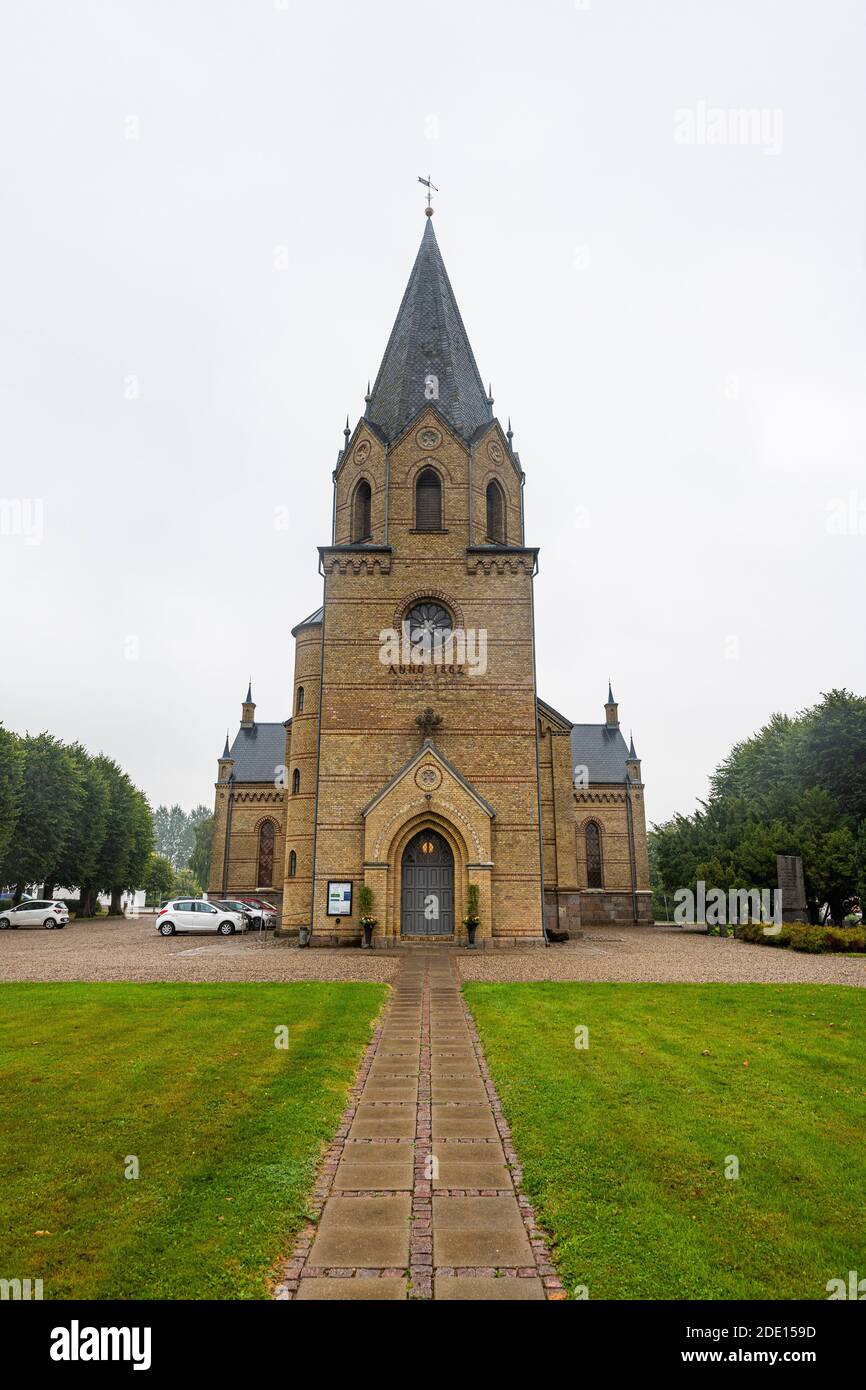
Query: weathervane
431, 189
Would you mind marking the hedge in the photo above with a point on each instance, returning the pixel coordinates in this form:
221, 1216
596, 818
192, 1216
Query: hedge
802, 936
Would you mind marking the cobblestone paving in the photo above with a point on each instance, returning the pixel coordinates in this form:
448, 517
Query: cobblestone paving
419, 1194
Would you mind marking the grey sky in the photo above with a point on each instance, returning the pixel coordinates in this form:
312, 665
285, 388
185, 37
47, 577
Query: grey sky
677, 331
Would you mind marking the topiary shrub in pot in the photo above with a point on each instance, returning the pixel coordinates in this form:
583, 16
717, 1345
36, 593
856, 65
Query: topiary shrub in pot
368, 921
471, 920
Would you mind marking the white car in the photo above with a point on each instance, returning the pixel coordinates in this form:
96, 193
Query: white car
36, 913
194, 914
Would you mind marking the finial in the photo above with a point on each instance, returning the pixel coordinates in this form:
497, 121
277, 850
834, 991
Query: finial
368, 397
431, 189
631, 752
509, 433
347, 431
249, 699
610, 699
428, 722
227, 750
489, 393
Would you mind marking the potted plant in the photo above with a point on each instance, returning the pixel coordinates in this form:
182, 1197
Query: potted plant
368, 921
471, 920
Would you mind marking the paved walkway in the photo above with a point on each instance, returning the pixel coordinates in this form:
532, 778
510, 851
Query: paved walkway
417, 1196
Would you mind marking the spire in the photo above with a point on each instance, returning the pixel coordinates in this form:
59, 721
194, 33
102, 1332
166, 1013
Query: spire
631, 752
227, 752
611, 709
428, 359
248, 709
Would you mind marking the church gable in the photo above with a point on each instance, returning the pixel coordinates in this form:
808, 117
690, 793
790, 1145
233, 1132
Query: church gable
428, 785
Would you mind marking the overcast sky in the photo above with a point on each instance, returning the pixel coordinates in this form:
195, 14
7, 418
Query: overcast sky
208, 214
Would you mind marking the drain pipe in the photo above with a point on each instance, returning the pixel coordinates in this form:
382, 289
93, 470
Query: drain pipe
631, 860
229, 808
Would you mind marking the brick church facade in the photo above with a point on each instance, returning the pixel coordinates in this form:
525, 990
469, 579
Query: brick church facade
419, 758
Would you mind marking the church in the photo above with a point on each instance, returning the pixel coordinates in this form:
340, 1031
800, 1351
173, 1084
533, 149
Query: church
419, 760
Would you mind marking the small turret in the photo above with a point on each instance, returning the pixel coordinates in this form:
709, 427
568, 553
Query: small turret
611, 710
248, 709
226, 763
632, 762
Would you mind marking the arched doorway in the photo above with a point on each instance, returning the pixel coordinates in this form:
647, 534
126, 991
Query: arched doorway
427, 893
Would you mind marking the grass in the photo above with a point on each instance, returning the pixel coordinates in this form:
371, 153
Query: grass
625, 1144
227, 1129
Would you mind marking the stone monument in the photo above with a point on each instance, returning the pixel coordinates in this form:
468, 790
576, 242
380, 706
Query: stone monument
789, 872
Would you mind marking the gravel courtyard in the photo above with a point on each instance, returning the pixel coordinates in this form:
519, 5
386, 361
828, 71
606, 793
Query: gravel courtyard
131, 949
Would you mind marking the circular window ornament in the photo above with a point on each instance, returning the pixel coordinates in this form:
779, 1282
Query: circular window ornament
429, 438
428, 777
494, 451
362, 453
429, 622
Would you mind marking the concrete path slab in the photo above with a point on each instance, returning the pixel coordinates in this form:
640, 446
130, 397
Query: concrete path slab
420, 1180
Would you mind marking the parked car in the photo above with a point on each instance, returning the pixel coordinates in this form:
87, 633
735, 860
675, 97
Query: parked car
194, 914
36, 913
268, 911
251, 914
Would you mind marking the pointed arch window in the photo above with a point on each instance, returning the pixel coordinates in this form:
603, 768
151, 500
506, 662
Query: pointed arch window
495, 512
362, 509
299, 700
428, 501
293, 864
593, 856
267, 840
296, 781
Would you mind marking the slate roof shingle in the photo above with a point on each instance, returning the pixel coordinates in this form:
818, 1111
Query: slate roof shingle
258, 752
601, 750
428, 339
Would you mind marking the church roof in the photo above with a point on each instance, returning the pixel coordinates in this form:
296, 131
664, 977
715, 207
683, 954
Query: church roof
258, 752
312, 621
428, 339
601, 750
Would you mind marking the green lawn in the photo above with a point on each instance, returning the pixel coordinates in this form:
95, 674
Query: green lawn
226, 1127
625, 1144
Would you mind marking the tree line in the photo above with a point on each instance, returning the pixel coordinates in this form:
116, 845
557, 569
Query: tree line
72, 820
798, 786
69, 819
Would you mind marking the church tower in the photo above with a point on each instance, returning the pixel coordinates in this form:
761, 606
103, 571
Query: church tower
418, 774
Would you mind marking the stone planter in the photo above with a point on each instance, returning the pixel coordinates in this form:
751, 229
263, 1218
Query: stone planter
471, 929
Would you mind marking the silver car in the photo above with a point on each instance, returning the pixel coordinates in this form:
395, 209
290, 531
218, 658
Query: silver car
194, 914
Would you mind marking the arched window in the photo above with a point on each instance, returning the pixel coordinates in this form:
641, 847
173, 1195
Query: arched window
299, 700
265, 870
495, 512
296, 781
293, 864
428, 501
362, 527
593, 856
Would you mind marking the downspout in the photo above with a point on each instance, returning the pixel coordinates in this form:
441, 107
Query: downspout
537, 751
469, 540
318, 763
228, 836
631, 860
